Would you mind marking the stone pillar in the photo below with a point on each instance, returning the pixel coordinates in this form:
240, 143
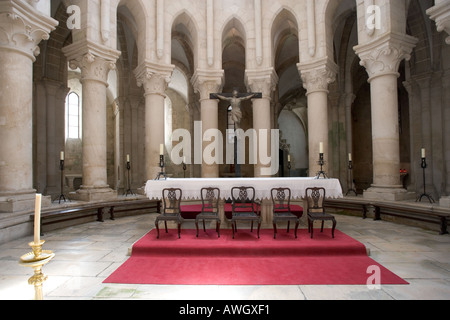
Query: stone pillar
445, 199
205, 83
264, 81
316, 78
95, 64
154, 79
22, 31
382, 58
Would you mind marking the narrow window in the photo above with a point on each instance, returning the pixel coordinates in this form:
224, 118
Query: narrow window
73, 118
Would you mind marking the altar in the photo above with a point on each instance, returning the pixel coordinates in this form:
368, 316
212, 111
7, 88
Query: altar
191, 189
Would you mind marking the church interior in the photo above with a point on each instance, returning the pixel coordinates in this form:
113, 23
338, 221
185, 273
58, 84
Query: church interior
92, 93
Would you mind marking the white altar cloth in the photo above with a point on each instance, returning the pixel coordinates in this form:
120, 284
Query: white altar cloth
191, 187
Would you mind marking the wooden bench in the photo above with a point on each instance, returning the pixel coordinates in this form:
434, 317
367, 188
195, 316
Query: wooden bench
350, 204
433, 215
64, 214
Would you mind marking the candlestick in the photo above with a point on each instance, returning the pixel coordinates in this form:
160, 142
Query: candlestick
162, 166
350, 173
129, 191
61, 168
424, 194
321, 163
36, 260
37, 219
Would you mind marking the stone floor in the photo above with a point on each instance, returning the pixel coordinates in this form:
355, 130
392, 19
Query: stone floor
87, 254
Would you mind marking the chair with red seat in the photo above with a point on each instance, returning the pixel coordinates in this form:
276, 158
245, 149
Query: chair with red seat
244, 207
171, 210
316, 209
210, 208
282, 211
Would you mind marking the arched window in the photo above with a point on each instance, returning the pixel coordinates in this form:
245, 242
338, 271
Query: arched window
73, 119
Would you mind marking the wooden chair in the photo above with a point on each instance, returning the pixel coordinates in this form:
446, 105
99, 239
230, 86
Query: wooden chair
316, 210
281, 200
210, 208
171, 210
244, 207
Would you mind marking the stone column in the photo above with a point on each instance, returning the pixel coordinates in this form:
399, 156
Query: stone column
382, 58
95, 63
316, 78
445, 199
154, 79
205, 83
264, 81
22, 29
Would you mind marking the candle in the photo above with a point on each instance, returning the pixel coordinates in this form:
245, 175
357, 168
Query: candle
289, 158
321, 148
62, 156
350, 157
161, 149
37, 219
184, 159
423, 154
128, 158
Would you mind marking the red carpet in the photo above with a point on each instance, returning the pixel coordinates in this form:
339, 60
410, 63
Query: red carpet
246, 260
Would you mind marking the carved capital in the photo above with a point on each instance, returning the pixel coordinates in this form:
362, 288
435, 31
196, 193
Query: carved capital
440, 13
264, 81
207, 82
93, 67
22, 28
94, 60
153, 78
383, 56
318, 75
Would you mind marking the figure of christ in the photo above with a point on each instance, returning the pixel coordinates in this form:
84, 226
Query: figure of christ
235, 100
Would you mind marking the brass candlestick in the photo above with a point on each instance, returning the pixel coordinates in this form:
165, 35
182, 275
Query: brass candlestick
36, 260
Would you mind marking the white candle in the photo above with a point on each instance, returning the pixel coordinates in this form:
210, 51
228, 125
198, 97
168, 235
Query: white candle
184, 159
37, 219
321, 148
128, 158
289, 158
161, 149
424, 155
62, 156
349, 157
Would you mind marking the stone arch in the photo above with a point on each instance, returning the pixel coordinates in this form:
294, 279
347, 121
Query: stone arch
185, 31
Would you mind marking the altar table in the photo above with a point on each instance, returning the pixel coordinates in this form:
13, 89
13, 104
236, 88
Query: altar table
191, 189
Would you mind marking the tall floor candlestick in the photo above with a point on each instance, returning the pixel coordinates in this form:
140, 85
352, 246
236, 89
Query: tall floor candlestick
61, 168
129, 191
424, 194
350, 173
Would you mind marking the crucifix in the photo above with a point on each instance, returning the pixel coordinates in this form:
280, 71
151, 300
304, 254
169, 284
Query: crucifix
235, 99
